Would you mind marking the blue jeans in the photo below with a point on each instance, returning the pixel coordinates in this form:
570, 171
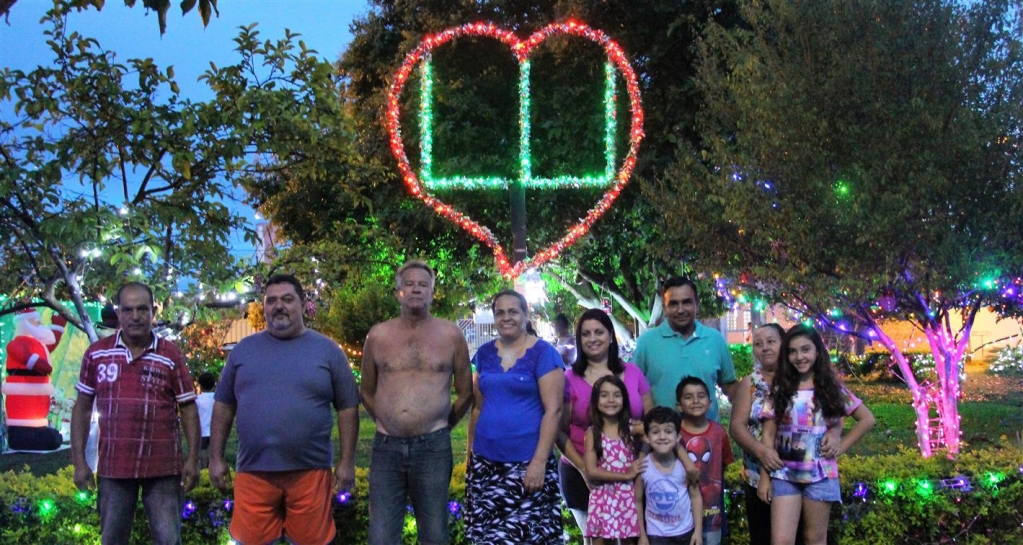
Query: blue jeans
162, 497
410, 468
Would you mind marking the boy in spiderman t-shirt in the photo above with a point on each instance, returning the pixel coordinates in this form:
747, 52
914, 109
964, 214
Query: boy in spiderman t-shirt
706, 442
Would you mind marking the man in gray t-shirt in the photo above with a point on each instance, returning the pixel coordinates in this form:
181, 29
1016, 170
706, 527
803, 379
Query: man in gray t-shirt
284, 385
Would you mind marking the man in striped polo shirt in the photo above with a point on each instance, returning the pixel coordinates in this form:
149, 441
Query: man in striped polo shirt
141, 386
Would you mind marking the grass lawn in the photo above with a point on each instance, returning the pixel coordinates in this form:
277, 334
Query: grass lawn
45, 464
991, 411
991, 407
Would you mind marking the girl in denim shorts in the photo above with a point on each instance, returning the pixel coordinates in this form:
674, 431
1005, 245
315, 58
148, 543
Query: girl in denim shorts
807, 399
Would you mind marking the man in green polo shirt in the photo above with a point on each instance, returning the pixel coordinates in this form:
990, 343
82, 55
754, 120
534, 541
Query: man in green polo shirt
681, 346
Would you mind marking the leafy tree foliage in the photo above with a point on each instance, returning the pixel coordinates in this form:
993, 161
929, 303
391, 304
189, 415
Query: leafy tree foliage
862, 156
308, 178
476, 131
110, 175
161, 7
201, 340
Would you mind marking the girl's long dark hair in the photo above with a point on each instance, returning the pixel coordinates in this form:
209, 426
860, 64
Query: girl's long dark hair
597, 419
827, 387
614, 363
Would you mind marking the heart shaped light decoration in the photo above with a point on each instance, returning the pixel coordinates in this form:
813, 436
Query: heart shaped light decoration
419, 184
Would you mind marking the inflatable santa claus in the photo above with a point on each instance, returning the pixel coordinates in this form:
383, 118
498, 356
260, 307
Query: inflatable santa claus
27, 389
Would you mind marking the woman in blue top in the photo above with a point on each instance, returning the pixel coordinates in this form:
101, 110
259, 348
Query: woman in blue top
512, 478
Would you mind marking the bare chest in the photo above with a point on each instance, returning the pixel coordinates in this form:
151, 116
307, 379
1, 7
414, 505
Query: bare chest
416, 353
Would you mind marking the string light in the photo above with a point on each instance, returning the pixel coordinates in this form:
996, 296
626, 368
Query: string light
420, 184
945, 362
841, 189
219, 510
47, 508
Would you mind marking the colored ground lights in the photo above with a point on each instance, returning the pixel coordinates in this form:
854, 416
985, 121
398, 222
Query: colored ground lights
420, 184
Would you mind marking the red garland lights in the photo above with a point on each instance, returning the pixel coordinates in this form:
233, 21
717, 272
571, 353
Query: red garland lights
522, 50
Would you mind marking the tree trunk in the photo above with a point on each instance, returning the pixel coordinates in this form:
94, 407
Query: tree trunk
593, 301
920, 395
623, 301
948, 356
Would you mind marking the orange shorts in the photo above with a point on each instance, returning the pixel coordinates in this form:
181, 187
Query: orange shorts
271, 504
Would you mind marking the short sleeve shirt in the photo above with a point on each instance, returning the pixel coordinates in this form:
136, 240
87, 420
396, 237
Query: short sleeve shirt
285, 393
508, 428
578, 392
800, 432
137, 400
665, 357
205, 405
711, 452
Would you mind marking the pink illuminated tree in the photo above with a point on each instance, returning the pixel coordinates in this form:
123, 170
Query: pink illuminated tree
861, 161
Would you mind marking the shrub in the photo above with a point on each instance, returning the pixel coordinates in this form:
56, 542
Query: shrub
892, 498
742, 358
973, 499
1009, 362
46, 509
903, 498
921, 363
866, 364
206, 516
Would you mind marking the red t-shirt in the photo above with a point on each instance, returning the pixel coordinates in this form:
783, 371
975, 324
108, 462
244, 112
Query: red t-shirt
138, 404
711, 452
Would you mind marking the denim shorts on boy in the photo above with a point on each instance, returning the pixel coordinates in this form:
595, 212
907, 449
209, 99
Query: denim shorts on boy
683, 539
823, 490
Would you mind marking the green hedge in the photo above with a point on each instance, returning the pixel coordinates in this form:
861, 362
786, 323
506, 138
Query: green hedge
975, 499
882, 363
1009, 362
742, 359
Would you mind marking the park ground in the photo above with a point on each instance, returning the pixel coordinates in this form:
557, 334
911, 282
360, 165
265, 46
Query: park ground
991, 410
991, 407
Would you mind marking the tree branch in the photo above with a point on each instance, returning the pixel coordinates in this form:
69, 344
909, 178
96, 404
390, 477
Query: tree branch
141, 193
618, 296
5, 9
592, 302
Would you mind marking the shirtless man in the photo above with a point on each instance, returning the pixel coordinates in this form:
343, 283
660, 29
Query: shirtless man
408, 366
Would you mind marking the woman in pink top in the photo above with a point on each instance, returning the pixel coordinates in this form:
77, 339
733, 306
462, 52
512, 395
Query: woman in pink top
597, 357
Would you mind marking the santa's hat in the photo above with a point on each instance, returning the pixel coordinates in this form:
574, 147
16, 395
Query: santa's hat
29, 313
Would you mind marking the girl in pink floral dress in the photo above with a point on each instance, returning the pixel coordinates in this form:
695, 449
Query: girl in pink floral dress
611, 465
